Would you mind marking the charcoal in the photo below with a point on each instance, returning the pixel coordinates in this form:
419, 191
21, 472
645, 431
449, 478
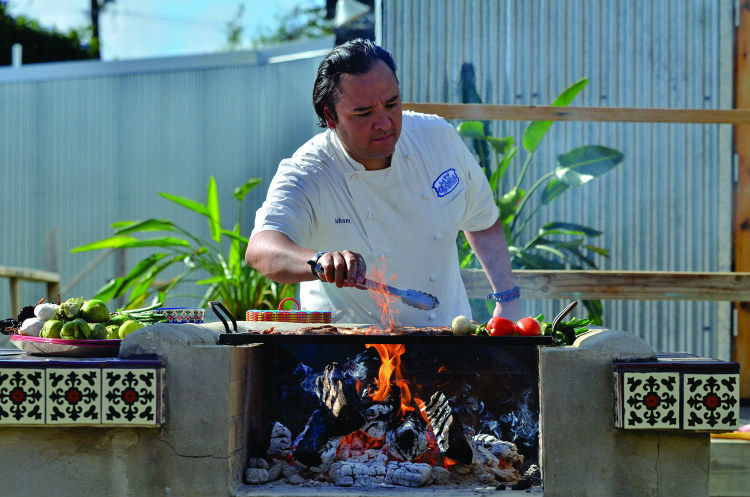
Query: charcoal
280, 442
449, 435
505, 451
377, 418
338, 396
316, 448
409, 439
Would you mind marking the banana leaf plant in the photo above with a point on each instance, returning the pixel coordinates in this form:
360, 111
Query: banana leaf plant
218, 263
557, 244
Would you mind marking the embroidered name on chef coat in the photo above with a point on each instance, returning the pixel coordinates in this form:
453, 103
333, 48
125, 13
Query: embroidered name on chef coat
343, 220
445, 183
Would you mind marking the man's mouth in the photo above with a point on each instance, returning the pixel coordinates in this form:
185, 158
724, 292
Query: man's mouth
382, 139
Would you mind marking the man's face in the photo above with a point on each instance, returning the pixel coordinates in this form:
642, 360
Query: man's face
369, 116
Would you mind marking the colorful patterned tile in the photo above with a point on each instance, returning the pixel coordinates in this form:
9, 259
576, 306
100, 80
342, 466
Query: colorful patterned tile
132, 397
651, 400
711, 401
21, 396
74, 396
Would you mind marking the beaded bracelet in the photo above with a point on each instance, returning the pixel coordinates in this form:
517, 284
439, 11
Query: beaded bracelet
506, 296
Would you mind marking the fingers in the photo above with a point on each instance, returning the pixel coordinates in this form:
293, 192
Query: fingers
345, 268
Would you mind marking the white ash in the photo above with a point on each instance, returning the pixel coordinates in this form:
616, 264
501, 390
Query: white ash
439, 476
327, 456
505, 451
291, 474
415, 445
357, 474
280, 445
507, 475
377, 416
407, 474
483, 456
259, 471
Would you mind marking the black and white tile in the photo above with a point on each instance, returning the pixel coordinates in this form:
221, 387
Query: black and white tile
73, 396
650, 400
131, 397
22, 396
710, 401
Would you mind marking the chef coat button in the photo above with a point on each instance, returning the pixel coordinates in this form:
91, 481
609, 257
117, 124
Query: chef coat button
433, 277
437, 236
407, 156
425, 195
354, 177
433, 315
369, 215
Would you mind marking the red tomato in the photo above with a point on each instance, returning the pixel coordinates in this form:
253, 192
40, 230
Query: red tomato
500, 327
528, 327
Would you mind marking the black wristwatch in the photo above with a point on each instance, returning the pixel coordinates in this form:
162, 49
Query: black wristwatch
314, 262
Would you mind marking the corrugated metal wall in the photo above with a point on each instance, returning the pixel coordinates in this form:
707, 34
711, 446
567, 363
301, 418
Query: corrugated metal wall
667, 207
81, 152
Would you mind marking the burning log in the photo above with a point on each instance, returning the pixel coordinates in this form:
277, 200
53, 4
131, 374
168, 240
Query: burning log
407, 474
409, 440
377, 419
316, 448
340, 399
280, 444
449, 435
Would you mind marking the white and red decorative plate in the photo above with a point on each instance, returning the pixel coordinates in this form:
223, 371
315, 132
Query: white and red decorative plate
66, 348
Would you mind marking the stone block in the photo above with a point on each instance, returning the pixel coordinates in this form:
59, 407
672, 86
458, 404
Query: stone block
582, 451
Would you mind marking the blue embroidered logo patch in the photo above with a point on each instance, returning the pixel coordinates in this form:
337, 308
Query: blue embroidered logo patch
445, 183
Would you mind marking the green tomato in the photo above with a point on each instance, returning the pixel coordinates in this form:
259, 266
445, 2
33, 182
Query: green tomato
98, 331
69, 330
51, 328
118, 319
95, 311
84, 332
129, 327
113, 332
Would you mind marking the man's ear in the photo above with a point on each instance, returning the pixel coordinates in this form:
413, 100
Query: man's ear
328, 115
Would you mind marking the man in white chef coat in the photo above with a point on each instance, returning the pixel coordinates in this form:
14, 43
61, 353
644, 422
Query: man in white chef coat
381, 193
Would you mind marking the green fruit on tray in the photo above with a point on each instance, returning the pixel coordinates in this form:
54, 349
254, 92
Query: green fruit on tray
69, 330
129, 327
98, 331
113, 332
51, 329
95, 311
71, 308
118, 319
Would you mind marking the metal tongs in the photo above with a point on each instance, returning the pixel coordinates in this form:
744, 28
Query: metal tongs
413, 298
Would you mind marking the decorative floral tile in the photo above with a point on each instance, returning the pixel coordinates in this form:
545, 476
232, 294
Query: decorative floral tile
711, 401
131, 397
21, 396
651, 400
74, 396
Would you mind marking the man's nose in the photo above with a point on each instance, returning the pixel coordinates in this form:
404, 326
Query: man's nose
382, 122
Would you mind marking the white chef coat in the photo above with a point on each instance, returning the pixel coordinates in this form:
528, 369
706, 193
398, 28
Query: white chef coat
403, 219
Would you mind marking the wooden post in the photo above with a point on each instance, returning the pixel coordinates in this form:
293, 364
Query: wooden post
15, 297
741, 231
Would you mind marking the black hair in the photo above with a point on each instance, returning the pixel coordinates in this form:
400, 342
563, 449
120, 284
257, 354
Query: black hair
356, 56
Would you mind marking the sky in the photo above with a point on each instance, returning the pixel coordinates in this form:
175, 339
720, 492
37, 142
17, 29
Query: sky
132, 29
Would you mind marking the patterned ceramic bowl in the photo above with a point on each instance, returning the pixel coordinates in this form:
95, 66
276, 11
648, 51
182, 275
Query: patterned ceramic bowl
181, 315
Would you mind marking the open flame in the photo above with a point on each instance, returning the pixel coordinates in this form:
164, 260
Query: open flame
389, 312
392, 372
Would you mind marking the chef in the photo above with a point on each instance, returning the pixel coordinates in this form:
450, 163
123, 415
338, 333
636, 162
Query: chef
380, 194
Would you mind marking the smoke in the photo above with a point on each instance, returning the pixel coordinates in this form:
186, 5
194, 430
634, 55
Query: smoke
307, 376
522, 423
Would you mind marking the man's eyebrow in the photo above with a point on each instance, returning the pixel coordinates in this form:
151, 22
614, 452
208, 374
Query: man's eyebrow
389, 101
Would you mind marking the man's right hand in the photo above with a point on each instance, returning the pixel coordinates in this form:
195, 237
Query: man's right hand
345, 268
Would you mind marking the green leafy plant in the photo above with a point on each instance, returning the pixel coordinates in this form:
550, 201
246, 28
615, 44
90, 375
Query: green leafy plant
230, 280
556, 245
